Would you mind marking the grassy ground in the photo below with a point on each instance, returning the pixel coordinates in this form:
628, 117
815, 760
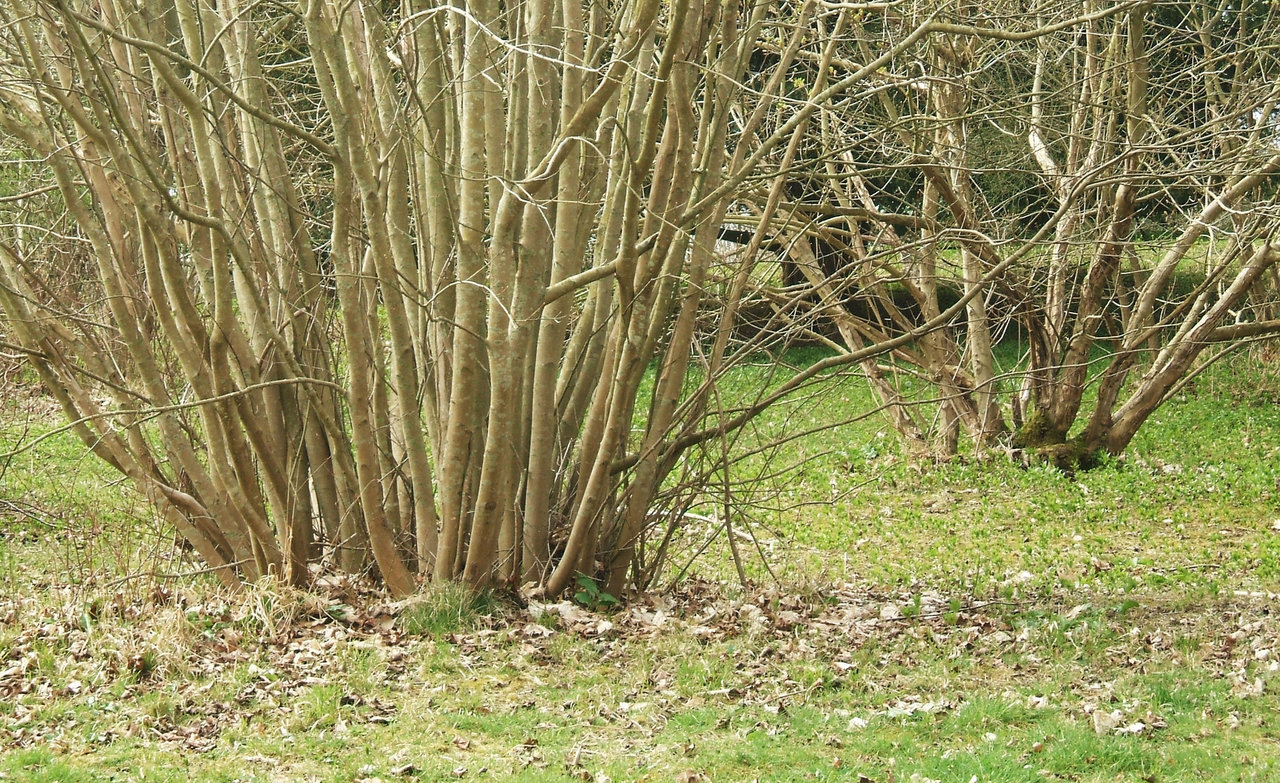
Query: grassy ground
969, 622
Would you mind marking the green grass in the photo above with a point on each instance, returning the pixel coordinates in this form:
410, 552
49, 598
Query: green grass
65, 512
952, 622
768, 706
734, 709
1204, 469
443, 609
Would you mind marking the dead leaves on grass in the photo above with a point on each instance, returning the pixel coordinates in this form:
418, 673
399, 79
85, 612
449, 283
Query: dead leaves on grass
149, 667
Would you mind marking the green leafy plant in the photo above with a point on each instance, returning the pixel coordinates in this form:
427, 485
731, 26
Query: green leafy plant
591, 596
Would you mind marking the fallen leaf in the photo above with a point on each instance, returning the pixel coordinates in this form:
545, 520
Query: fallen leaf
1106, 722
1076, 611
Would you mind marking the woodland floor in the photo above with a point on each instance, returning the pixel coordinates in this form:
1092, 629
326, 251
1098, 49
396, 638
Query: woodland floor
967, 622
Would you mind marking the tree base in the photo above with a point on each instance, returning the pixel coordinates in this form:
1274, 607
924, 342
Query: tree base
1068, 457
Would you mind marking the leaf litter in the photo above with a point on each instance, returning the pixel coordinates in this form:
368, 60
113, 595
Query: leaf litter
155, 667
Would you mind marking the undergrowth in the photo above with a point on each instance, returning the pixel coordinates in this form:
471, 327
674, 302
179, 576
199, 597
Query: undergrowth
973, 621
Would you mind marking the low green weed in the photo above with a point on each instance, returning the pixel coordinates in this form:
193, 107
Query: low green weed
591, 596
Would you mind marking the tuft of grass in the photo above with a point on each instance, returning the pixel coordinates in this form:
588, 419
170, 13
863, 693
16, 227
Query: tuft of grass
445, 608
